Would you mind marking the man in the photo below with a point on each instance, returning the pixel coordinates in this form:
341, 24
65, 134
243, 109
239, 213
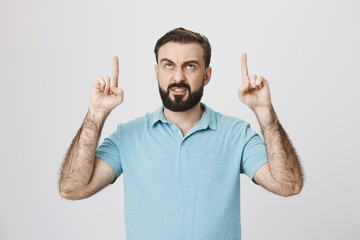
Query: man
181, 164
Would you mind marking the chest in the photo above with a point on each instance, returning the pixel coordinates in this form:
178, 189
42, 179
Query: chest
168, 156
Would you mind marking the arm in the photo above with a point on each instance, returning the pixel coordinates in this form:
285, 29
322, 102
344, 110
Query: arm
83, 174
282, 174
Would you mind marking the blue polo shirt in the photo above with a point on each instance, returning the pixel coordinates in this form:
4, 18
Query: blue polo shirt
183, 187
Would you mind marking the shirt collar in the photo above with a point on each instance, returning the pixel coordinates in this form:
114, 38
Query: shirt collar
157, 116
208, 118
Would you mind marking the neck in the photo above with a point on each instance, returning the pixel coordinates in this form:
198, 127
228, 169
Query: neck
184, 120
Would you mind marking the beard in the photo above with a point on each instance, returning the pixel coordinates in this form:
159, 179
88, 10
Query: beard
179, 104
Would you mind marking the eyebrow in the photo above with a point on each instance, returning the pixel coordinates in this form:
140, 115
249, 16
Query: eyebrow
187, 62
192, 61
166, 60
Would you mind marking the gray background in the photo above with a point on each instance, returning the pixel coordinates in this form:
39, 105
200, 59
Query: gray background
51, 52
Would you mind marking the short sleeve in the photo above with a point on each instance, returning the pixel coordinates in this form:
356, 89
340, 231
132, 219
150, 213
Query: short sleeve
109, 151
254, 153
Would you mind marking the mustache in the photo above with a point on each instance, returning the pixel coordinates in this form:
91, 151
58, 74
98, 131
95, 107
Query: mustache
179, 85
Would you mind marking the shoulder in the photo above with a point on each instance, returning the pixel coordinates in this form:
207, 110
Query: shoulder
232, 127
135, 123
138, 124
225, 121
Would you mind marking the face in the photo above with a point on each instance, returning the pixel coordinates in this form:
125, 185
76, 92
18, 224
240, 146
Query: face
181, 75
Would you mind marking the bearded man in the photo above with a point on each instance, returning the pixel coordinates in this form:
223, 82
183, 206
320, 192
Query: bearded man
182, 163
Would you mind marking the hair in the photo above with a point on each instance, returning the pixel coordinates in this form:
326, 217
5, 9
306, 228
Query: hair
183, 35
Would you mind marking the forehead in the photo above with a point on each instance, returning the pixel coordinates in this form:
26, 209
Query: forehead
181, 52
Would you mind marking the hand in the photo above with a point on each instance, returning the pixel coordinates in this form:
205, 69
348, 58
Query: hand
254, 90
105, 94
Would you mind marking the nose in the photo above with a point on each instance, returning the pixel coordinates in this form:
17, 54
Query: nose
179, 75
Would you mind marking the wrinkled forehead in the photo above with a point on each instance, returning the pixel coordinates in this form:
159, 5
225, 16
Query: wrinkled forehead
181, 52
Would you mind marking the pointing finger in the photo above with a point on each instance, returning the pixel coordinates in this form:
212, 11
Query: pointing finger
115, 75
244, 69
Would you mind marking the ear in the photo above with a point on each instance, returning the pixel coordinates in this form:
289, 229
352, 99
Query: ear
156, 72
207, 75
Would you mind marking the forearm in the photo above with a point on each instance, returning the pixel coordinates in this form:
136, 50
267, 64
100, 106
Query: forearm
79, 160
284, 164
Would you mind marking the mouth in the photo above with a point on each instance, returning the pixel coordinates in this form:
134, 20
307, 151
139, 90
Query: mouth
178, 90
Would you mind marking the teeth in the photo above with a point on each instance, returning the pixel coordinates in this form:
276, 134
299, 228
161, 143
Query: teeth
179, 90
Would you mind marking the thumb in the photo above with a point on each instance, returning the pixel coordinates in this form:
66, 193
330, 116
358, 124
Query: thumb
119, 94
117, 91
244, 88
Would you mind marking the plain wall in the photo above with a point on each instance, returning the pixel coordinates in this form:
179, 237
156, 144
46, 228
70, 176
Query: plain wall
51, 53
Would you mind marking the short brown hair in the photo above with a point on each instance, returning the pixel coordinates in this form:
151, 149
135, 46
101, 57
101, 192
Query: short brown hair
183, 35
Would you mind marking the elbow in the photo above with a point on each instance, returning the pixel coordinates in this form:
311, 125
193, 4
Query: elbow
66, 195
298, 185
71, 194
292, 190
297, 188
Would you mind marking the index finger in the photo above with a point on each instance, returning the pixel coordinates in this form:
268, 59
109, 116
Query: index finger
244, 69
115, 74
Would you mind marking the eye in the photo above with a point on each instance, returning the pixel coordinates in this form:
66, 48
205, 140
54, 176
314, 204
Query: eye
168, 66
190, 66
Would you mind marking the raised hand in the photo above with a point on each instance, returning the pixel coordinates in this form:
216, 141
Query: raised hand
105, 94
254, 90
83, 174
